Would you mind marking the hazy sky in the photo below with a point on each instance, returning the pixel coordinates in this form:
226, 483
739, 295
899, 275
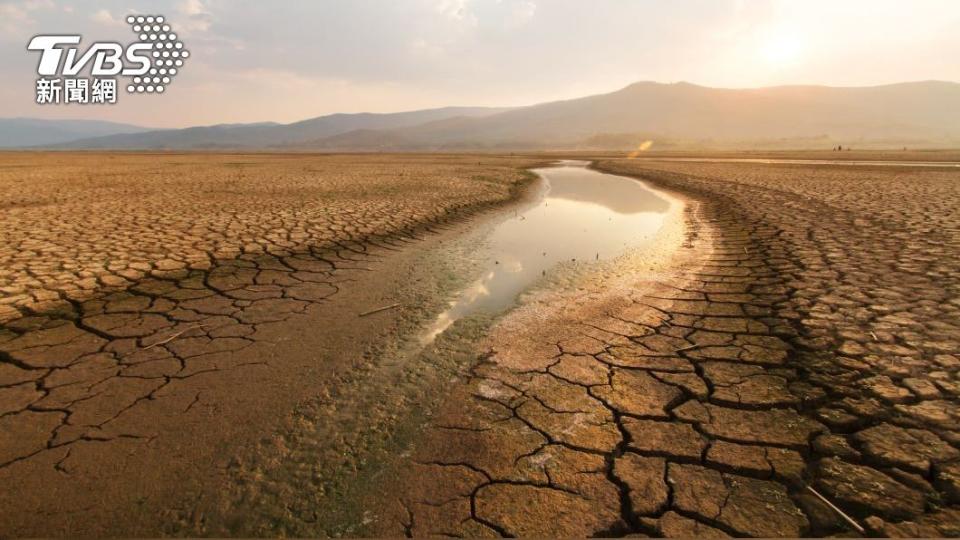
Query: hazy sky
288, 60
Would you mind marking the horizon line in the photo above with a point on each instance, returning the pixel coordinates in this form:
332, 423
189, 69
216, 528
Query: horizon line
641, 82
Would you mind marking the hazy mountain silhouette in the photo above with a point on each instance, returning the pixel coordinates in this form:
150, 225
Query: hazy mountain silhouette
15, 132
923, 111
272, 134
915, 113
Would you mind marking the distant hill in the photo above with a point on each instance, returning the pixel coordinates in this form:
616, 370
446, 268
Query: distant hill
18, 132
806, 115
272, 135
671, 115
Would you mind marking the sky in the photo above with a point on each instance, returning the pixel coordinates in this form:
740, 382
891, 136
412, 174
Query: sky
289, 60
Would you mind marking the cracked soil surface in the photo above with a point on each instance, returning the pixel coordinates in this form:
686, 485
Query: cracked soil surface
803, 335
159, 312
804, 342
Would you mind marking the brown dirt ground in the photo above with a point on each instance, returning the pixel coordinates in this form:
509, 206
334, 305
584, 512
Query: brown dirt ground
804, 333
855, 155
163, 314
807, 337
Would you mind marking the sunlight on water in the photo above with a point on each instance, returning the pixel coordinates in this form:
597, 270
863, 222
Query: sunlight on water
583, 215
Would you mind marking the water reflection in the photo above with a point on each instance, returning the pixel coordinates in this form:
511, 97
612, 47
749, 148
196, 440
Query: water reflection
582, 215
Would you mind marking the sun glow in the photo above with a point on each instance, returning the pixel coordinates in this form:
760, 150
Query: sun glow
782, 49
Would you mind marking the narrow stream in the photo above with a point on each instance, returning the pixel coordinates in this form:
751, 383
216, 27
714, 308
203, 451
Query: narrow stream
580, 215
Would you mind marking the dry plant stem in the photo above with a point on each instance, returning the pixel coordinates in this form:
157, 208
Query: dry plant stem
378, 310
173, 337
833, 507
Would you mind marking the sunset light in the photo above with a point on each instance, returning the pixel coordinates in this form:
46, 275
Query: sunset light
782, 49
480, 269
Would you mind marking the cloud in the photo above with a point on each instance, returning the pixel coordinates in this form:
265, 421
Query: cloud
198, 17
421, 48
305, 58
104, 17
34, 5
192, 7
454, 9
457, 11
520, 13
17, 17
12, 16
511, 14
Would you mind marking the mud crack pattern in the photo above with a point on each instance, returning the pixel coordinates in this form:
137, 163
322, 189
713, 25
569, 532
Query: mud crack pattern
130, 283
809, 341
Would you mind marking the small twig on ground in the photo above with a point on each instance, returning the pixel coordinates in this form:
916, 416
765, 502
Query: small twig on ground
378, 310
173, 337
842, 514
875, 338
687, 348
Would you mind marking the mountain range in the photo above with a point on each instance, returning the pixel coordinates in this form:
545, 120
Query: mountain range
670, 115
21, 132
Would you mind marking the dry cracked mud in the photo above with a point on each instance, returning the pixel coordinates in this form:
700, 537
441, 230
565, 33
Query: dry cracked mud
803, 336
805, 344
158, 311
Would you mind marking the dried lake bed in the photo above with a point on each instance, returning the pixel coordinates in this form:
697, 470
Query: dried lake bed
788, 336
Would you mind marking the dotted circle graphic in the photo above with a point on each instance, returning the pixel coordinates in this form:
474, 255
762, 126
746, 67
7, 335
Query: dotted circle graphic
167, 52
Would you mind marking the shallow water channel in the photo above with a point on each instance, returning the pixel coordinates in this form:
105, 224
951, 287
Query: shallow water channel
579, 215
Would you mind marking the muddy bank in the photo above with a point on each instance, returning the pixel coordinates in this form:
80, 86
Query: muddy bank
292, 497
809, 325
477, 443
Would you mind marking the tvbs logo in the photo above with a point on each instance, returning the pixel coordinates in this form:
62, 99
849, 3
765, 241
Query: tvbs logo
149, 64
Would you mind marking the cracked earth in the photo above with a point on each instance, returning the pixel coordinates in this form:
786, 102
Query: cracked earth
803, 346
802, 341
148, 307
